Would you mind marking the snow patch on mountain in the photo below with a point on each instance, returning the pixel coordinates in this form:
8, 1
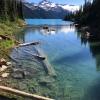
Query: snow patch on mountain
45, 4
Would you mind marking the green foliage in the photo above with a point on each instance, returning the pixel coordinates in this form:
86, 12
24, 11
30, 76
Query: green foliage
11, 9
82, 15
89, 14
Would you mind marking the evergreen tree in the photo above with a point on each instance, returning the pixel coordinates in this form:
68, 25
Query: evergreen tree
11, 9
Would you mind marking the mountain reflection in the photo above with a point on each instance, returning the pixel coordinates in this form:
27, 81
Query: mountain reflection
52, 30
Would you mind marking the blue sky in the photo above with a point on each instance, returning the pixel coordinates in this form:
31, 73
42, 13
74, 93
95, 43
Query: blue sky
73, 2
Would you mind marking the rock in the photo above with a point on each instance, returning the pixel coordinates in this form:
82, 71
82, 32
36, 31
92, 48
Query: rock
27, 74
18, 74
3, 68
46, 80
9, 63
5, 75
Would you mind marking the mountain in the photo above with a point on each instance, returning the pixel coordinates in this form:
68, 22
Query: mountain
47, 9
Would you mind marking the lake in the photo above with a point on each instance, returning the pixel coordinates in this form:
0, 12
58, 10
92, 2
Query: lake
76, 60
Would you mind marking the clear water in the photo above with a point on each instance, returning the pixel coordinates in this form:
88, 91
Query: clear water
43, 21
76, 64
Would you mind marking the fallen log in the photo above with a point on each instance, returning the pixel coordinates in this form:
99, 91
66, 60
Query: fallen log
47, 66
40, 56
21, 93
27, 44
36, 56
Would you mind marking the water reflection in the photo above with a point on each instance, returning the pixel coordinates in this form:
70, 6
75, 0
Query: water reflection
76, 59
50, 30
94, 44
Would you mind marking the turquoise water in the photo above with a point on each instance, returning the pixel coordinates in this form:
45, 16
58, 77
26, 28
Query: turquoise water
43, 21
77, 64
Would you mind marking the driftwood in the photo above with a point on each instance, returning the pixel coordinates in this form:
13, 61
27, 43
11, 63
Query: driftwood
21, 93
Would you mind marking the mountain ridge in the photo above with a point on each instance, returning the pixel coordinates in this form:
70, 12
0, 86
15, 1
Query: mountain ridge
47, 9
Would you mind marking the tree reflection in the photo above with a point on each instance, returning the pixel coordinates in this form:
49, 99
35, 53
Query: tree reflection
93, 42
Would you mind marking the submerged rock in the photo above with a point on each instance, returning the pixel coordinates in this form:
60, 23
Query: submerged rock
46, 80
17, 74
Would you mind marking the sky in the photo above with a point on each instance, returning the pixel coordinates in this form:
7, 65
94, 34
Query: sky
72, 2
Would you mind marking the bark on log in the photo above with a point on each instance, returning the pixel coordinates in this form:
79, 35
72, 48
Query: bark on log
21, 93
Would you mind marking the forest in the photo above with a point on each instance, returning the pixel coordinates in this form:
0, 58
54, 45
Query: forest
11, 9
88, 14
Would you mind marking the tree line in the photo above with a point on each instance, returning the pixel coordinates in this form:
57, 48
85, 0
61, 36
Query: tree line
89, 13
11, 9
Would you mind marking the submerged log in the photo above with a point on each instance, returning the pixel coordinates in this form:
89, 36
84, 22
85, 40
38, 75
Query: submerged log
40, 56
11, 58
36, 56
47, 66
21, 93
